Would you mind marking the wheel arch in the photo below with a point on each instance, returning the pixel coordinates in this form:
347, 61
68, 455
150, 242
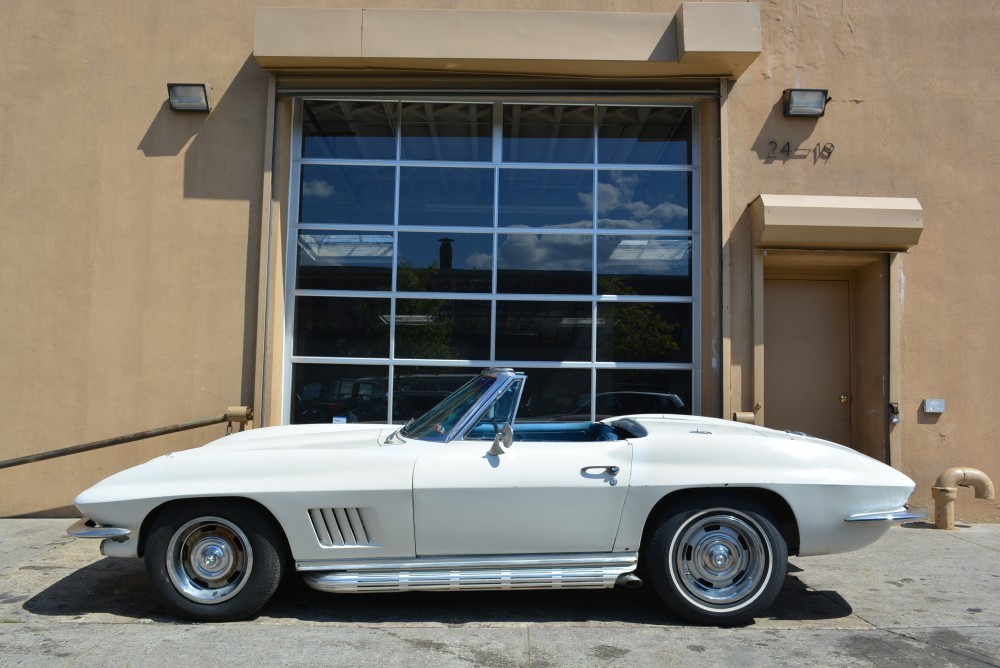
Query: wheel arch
773, 501
153, 515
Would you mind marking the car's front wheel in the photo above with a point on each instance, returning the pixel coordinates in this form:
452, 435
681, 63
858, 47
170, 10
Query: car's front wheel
718, 560
214, 561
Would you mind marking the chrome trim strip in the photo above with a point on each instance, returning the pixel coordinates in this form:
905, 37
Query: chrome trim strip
898, 515
530, 572
468, 563
87, 528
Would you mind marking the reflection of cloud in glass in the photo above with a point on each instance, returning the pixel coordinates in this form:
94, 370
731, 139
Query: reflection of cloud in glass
546, 252
621, 203
318, 188
479, 260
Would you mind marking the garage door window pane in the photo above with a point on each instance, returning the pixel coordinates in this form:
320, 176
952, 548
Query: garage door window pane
325, 393
341, 327
543, 330
643, 332
439, 262
644, 135
643, 200
450, 131
555, 394
631, 391
546, 198
347, 195
442, 329
344, 261
446, 196
420, 388
637, 265
545, 263
548, 133
349, 130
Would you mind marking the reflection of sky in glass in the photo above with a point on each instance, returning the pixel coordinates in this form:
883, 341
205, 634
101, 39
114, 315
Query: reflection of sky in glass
349, 130
450, 131
643, 200
347, 195
546, 198
644, 135
446, 196
548, 133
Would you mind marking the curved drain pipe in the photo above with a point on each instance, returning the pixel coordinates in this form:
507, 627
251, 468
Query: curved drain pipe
945, 491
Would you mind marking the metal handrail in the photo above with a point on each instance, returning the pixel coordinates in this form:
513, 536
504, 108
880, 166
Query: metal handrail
239, 414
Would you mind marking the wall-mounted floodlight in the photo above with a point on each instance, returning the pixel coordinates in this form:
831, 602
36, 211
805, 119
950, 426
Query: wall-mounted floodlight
190, 96
807, 102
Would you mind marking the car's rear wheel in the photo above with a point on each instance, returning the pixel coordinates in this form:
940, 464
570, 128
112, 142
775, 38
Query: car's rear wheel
214, 561
718, 560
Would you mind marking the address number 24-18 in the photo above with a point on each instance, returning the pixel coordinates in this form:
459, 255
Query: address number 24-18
786, 152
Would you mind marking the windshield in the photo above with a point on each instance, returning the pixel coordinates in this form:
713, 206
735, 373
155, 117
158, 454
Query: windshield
436, 424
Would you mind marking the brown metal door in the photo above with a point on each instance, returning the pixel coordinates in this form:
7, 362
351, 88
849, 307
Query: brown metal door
807, 357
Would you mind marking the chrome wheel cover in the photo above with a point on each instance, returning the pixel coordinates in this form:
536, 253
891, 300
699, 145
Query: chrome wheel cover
209, 560
718, 560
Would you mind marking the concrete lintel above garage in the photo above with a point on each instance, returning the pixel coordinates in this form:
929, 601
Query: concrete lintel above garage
702, 39
884, 224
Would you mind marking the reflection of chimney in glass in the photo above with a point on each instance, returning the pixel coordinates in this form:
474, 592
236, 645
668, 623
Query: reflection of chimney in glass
445, 252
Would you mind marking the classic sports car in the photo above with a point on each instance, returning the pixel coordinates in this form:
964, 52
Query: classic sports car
466, 498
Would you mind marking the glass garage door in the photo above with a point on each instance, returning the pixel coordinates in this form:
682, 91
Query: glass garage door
431, 239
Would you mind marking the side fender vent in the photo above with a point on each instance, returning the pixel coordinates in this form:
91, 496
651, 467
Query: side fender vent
339, 527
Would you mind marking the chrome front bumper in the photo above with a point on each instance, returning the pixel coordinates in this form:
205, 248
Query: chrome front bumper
87, 528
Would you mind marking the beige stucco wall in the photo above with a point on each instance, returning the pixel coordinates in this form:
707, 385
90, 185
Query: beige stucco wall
129, 235
128, 243
913, 85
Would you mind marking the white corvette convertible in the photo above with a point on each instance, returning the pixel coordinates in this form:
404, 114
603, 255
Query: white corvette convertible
466, 498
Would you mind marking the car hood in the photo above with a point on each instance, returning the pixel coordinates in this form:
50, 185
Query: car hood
258, 461
302, 437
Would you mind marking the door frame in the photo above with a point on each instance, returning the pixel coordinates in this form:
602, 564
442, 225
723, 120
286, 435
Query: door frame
814, 264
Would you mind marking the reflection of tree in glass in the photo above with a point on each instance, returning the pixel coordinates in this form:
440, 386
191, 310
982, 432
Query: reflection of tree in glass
634, 331
415, 279
423, 327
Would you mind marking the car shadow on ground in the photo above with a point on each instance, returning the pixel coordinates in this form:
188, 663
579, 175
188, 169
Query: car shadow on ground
118, 587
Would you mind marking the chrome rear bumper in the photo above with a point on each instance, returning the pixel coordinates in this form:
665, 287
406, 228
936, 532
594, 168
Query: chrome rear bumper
898, 515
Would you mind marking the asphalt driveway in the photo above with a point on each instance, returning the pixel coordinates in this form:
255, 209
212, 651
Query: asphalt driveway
919, 597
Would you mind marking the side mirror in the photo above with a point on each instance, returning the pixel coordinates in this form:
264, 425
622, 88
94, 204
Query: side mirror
505, 437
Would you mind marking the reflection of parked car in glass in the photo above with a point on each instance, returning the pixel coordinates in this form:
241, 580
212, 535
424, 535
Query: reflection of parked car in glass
321, 402
365, 399
627, 403
405, 405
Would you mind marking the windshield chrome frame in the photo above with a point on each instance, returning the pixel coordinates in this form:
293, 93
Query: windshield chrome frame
505, 377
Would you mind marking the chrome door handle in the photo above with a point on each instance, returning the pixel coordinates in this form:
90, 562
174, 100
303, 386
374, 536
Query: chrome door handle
610, 470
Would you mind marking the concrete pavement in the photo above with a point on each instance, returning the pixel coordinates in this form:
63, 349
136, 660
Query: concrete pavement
918, 597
